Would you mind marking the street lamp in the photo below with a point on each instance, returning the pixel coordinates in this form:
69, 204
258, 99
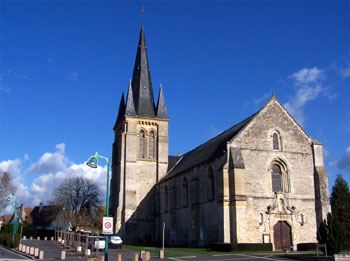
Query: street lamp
15, 216
92, 163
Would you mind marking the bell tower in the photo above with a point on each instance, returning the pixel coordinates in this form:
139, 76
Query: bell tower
140, 154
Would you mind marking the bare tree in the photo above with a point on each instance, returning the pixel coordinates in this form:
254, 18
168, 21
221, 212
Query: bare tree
79, 198
6, 188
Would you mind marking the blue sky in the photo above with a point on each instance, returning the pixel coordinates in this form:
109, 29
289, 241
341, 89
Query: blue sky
65, 64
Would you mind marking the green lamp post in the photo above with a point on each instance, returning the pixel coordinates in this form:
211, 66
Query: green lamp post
92, 162
15, 216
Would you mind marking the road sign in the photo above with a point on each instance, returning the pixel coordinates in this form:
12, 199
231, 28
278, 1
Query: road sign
107, 226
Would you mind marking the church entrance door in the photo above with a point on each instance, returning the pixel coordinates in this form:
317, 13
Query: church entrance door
282, 236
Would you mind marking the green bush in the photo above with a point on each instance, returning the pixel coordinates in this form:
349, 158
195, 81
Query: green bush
228, 247
306, 246
331, 233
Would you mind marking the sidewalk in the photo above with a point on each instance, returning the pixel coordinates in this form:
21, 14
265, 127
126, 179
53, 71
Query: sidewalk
52, 249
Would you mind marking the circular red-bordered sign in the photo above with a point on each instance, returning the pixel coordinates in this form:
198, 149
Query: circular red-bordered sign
108, 225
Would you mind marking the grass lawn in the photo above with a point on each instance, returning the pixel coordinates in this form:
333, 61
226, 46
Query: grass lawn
172, 251
153, 250
208, 251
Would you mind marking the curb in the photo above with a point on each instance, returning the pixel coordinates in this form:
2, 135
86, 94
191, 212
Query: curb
17, 252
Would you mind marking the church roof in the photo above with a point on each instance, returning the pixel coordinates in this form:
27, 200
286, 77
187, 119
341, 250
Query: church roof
207, 151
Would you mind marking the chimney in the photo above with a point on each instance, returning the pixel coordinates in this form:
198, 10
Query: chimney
40, 206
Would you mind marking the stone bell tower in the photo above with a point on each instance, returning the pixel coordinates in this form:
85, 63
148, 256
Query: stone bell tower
140, 154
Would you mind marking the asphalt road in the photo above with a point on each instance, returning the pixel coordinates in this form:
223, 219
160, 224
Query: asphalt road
10, 256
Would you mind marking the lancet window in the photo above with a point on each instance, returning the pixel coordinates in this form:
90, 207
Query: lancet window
142, 144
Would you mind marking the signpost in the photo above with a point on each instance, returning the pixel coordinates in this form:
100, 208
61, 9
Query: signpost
107, 226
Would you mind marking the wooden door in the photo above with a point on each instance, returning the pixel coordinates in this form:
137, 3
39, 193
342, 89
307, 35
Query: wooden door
282, 236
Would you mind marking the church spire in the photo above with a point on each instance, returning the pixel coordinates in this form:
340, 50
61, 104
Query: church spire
121, 111
141, 82
161, 108
130, 107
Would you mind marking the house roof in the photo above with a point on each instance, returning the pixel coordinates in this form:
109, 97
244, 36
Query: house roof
45, 216
6, 218
209, 150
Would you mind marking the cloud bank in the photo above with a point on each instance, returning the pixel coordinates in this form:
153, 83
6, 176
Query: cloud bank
50, 170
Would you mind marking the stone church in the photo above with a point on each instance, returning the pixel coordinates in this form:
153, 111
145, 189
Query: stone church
261, 181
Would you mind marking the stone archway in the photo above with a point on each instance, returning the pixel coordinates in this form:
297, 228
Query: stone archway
282, 236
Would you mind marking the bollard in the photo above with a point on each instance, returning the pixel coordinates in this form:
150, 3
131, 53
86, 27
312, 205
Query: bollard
51, 238
118, 257
27, 250
31, 238
87, 252
38, 238
135, 257
142, 254
79, 249
36, 252
101, 258
24, 237
63, 255
45, 238
161, 254
31, 251
62, 242
148, 256
41, 255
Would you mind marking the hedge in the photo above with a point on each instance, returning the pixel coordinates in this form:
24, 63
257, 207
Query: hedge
6, 240
228, 247
307, 246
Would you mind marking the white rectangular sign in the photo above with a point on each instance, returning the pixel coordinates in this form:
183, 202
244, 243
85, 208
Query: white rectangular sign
107, 226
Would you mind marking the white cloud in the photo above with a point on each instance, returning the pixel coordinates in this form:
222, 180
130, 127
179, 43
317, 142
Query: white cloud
309, 83
306, 76
52, 168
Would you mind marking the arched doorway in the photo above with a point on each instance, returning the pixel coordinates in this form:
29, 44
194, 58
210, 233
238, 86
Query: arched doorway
282, 236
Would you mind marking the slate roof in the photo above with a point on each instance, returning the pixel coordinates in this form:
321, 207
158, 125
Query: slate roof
172, 160
207, 151
141, 81
46, 216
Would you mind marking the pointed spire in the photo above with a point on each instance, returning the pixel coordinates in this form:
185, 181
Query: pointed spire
121, 111
141, 81
130, 107
162, 112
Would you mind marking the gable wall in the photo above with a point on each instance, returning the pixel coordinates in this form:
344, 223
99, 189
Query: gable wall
256, 146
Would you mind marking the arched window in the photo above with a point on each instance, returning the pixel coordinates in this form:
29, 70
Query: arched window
210, 184
142, 144
276, 141
185, 193
276, 178
166, 199
151, 145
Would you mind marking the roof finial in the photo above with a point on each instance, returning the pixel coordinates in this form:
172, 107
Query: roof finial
273, 94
